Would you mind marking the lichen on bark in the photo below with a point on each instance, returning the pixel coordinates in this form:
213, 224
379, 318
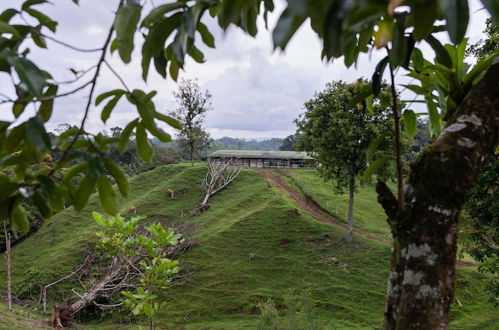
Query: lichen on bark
421, 281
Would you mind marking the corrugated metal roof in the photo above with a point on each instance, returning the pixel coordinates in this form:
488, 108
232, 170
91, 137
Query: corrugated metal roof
260, 154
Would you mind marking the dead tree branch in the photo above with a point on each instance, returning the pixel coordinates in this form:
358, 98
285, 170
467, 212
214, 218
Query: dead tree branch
219, 176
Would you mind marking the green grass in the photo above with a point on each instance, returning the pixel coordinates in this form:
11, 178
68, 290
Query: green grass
368, 214
19, 318
221, 287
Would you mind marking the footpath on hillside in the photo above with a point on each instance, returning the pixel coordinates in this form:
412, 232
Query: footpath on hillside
312, 208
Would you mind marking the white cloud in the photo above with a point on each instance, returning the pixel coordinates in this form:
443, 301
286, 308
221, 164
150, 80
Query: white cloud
256, 92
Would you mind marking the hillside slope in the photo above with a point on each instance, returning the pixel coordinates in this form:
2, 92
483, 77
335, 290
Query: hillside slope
221, 287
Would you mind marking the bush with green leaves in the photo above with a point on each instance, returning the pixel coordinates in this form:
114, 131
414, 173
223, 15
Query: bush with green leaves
121, 238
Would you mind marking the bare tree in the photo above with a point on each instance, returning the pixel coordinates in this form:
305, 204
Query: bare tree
219, 176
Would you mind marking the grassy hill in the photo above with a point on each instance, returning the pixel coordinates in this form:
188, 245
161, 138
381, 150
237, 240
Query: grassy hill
221, 287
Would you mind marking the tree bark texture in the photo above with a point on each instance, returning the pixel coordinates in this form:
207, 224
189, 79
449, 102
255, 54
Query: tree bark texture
351, 196
421, 279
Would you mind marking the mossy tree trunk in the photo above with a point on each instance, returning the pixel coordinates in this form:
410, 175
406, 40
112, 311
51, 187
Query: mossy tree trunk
351, 197
421, 279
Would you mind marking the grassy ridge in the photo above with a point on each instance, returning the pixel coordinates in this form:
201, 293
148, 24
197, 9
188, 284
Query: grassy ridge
222, 287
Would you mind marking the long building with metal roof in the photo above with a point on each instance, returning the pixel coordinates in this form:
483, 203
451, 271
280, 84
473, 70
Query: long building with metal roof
262, 158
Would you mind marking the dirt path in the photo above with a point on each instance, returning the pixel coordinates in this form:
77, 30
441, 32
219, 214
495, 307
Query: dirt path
311, 206
316, 211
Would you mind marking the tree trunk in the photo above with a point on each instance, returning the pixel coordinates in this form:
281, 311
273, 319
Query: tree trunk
421, 279
9, 264
351, 196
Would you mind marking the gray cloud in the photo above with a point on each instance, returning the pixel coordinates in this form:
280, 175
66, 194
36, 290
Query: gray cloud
256, 92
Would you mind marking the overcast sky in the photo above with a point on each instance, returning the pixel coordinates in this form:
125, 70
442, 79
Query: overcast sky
256, 92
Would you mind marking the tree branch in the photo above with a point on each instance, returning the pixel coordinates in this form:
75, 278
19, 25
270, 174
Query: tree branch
92, 89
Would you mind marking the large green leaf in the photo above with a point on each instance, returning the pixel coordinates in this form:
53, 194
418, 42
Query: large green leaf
493, 8
85, 189
118, 175
157, 13
144, 148
19, 220
126, 134
7, 28
374, 146
286, 27
457, 15
42, 18
169, 120
46, 107
378, 76
108, 108
29, 74
410, 123
103, 96
400, 43
107, 196
206, 35
36, 134
366, 176
442, 56
125, 25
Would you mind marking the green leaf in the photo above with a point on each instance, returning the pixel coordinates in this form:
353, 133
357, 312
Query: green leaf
374, 146
118, 175
7, 28
417, 59
174, 67
435, 118
206, 35
424, 14
18, 108
493, 8
400, 42
196, 54
103, 96
106, 112
42, 18
169, 120
95, 165
457, 15
28, 73
107, 196
19, 220
46, 107
40, 202
378, 76
125, 25
477, 70
36, 134
366, 177
158, 12
85, 189
126, 134
144, 148
410, 123
286, 27
442, 56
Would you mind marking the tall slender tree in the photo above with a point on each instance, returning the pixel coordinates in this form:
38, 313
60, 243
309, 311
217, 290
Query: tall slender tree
193, 104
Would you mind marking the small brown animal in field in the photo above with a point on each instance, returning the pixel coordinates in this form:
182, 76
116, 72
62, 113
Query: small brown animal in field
133, 210
171, 193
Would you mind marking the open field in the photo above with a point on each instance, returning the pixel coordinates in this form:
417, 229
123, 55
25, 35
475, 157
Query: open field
221, 287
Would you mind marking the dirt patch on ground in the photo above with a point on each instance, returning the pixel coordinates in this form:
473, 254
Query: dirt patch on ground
311, 206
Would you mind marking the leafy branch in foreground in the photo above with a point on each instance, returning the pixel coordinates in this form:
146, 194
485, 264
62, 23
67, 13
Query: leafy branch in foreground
138, 267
